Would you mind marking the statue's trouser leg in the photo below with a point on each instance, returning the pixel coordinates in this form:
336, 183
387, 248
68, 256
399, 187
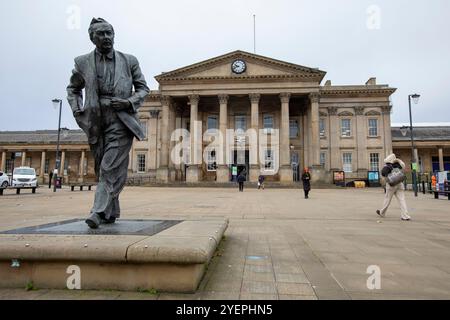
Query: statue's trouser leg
112, 175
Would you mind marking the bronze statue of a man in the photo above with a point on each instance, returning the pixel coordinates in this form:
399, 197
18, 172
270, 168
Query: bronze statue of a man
109, 115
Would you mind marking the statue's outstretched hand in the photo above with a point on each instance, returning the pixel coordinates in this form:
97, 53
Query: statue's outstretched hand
120, 104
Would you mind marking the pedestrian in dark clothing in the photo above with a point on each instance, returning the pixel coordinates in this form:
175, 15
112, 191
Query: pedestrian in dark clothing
50, 176
241, 179
261, 179
306, 178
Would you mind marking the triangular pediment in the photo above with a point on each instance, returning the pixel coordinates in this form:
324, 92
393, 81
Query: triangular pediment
256, 67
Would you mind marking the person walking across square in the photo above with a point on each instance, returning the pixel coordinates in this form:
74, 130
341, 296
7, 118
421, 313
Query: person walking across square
240, 180
306, 178
394, 186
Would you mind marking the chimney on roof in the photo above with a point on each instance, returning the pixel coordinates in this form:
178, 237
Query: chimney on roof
328, 83
371, 82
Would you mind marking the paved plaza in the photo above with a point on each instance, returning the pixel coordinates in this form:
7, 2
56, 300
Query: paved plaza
278, 245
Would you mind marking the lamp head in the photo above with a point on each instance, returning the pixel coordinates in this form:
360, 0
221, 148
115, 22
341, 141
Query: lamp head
56, 103
415, 97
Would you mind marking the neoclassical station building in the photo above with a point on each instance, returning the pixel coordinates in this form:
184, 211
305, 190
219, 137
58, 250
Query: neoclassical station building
300, 123
323, 127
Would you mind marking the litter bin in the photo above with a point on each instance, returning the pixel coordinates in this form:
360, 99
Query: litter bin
58, 182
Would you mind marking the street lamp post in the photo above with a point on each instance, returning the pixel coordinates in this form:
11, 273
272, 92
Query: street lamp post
415, 97
55, 176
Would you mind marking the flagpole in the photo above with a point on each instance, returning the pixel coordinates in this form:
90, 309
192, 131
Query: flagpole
254, 33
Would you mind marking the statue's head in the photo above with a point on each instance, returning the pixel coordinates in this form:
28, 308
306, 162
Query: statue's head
101, 34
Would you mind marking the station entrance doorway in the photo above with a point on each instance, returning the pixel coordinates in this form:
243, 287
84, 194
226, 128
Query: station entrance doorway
240, 164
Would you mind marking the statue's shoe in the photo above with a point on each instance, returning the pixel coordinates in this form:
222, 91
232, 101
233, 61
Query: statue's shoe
109, 221
93, 221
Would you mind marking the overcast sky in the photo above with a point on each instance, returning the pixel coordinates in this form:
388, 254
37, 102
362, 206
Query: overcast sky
403, 43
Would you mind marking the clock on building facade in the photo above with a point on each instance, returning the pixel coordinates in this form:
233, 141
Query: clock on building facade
238, 66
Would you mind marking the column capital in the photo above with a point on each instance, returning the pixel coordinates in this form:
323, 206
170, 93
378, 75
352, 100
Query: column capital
359, 111
386, 109
284, 97
332, 111
154, 113
166, 100
254, 97
314, 97
194, 98
223, 98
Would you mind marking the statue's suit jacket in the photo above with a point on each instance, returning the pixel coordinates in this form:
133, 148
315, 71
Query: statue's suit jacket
127, 74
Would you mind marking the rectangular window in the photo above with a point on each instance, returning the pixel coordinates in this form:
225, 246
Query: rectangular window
374, 162
46, 166
373, 127
240, 122
346, 129
322, 159
144, 128
28, 162
293, 128
140, 163
322, 127
268, 121
347, 162
212, 164
268, 159
213, 123
9, 165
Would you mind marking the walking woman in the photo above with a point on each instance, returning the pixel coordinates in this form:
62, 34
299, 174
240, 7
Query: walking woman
306, 178
394, 176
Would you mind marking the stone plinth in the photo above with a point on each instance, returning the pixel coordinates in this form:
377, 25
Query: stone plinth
166, 255
192, 174
286, 175
223, 174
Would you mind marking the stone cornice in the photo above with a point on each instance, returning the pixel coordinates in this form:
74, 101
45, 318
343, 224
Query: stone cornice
242, 78
355, 91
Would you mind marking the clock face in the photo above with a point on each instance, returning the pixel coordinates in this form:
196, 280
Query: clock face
238, 66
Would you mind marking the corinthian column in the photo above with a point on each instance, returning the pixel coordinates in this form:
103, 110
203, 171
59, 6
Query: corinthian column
3, 164
254, 138
193, 171
162, 173
285, 166
361, 138
387, 130
315, 135
41, 172
222, 173
334, 139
